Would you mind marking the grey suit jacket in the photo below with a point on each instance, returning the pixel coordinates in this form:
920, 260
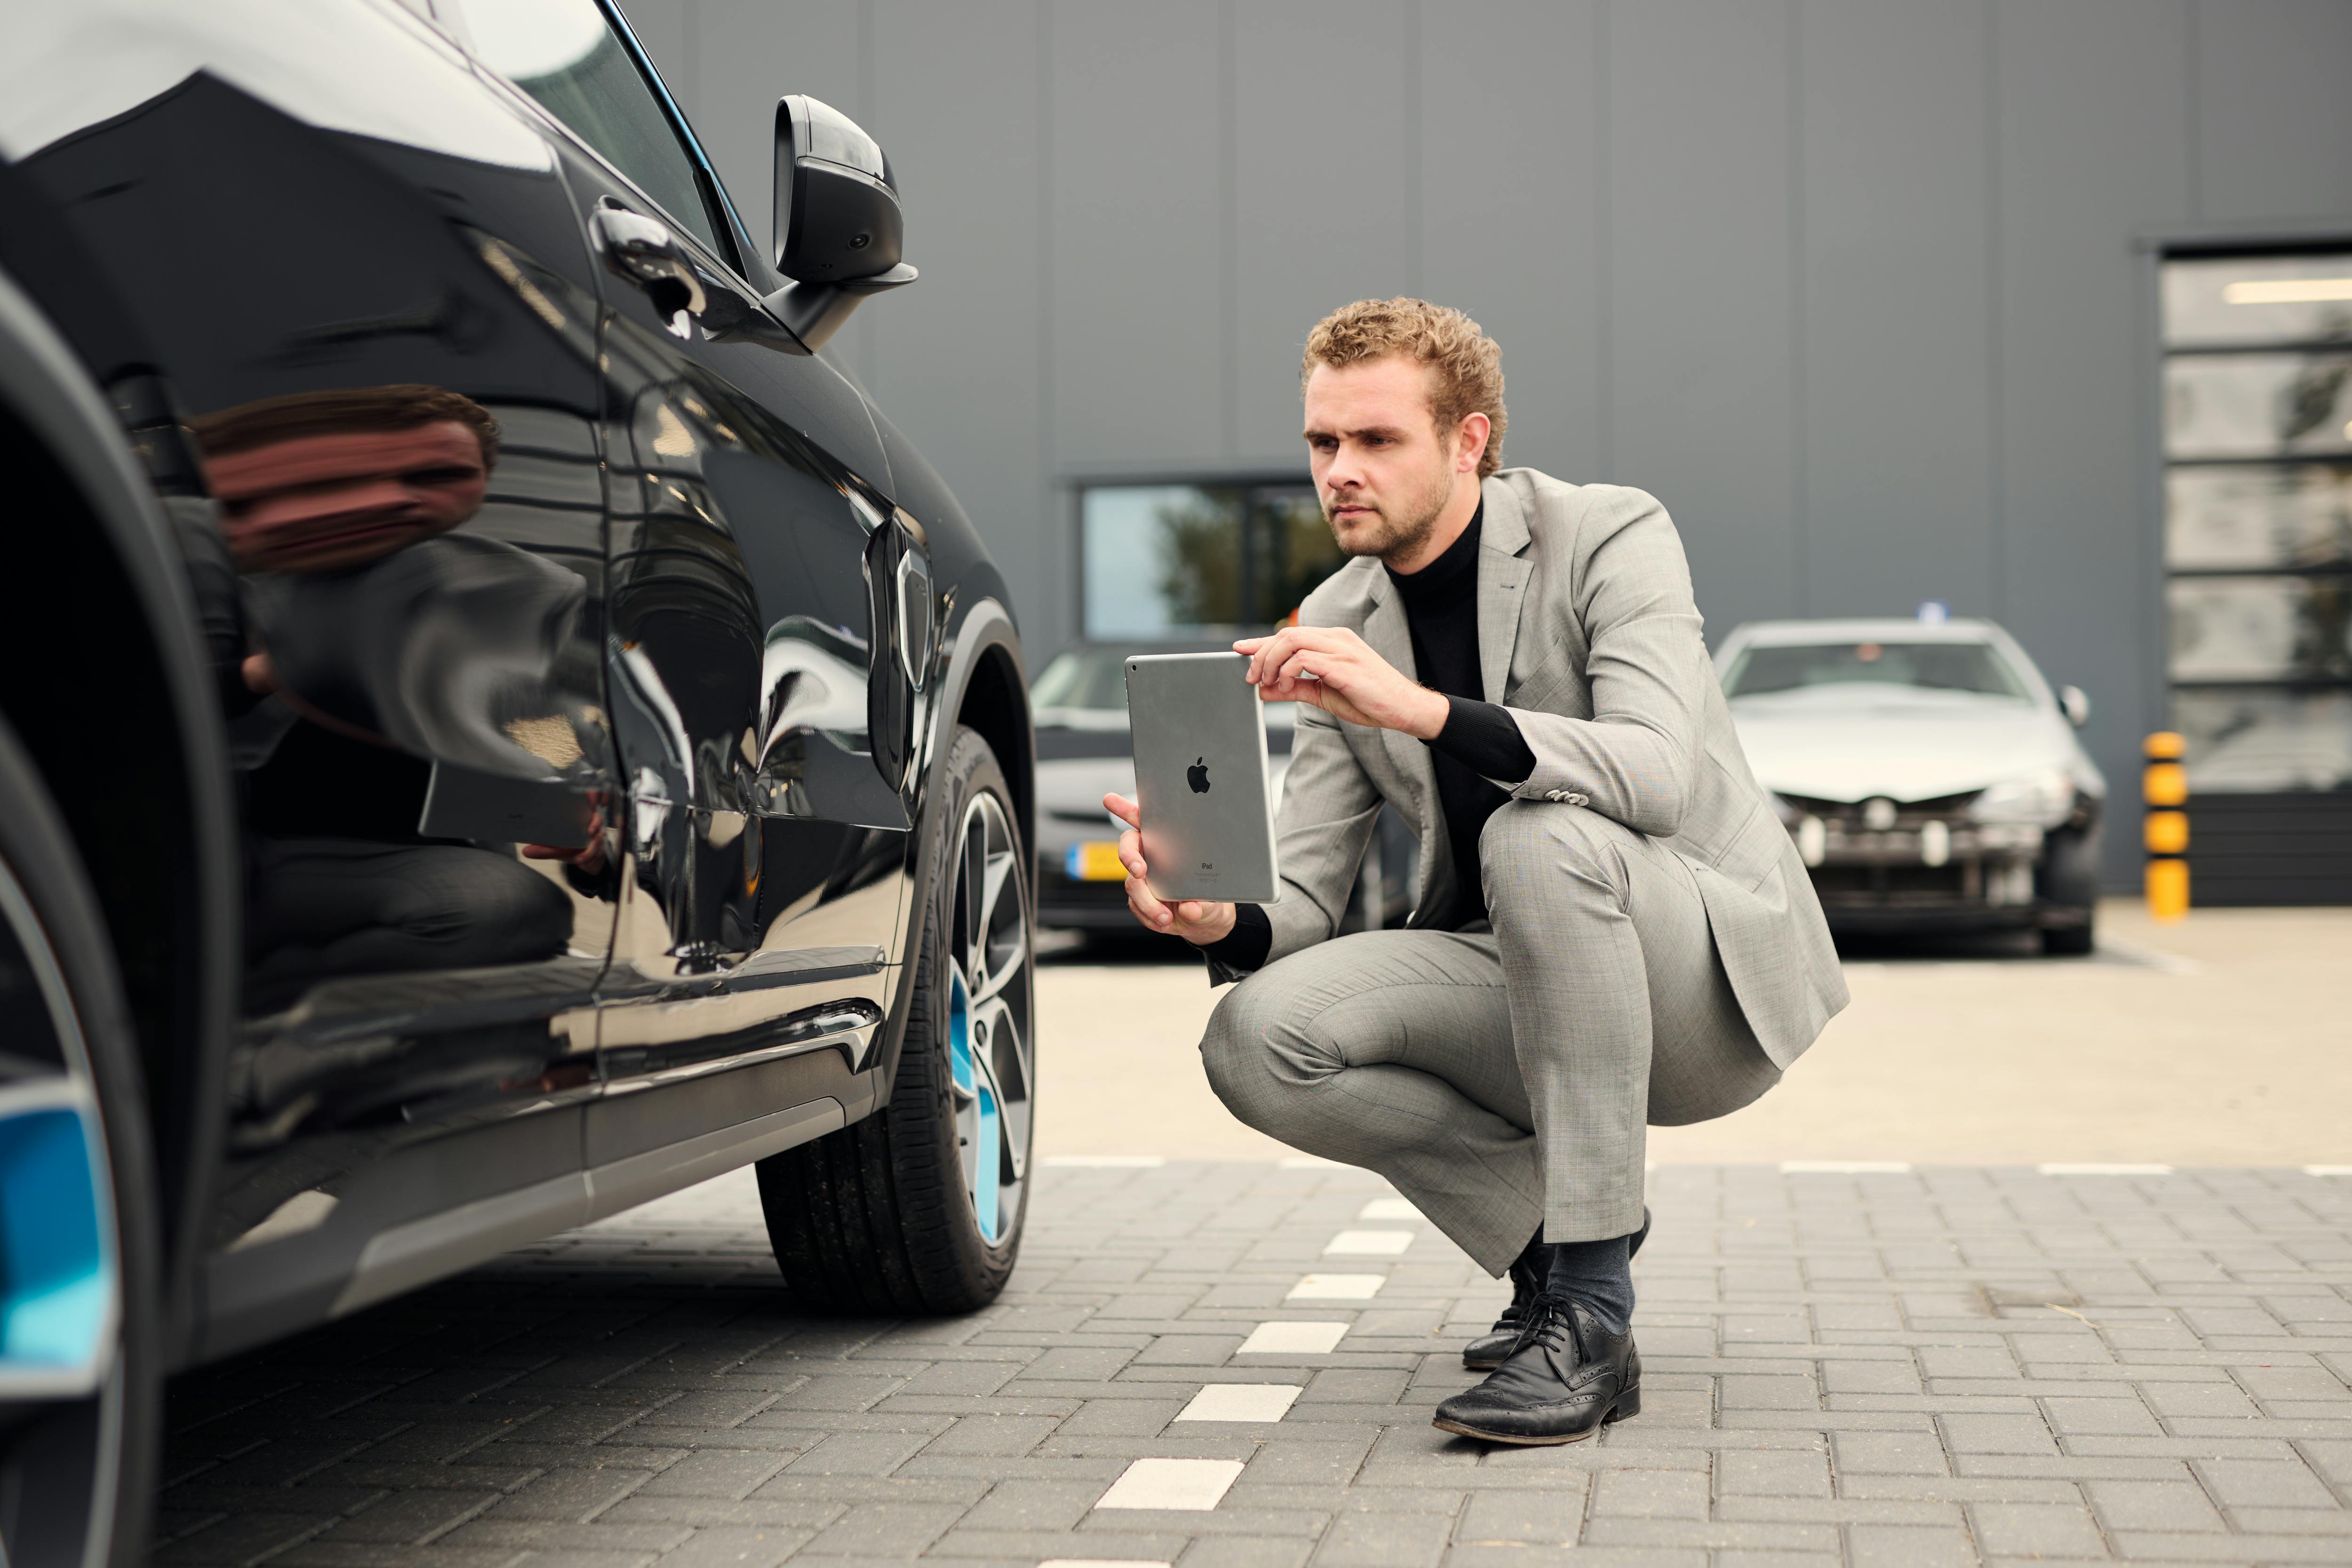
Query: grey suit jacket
1589, 634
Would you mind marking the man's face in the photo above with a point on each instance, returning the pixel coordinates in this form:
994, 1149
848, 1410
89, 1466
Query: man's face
322, 503
1382, 469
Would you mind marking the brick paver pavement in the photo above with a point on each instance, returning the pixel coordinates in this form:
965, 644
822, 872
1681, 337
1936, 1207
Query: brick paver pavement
1895, 1368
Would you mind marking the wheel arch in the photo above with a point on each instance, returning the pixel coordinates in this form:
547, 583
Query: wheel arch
984, 685
119, 714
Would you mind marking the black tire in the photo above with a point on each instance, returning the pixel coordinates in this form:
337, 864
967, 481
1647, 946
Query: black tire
885, 1214
2069, 877
77, 1462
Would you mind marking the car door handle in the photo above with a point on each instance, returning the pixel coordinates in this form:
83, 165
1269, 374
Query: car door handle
643, 250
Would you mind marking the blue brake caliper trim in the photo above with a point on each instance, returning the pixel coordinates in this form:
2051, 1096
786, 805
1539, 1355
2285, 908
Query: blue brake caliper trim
56, 1274
992, 1157
986, 1153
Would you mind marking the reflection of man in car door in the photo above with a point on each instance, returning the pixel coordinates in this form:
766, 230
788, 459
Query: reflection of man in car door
365, 620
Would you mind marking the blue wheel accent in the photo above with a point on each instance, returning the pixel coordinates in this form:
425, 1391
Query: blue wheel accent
57, 1271
960, 1064
985, 1200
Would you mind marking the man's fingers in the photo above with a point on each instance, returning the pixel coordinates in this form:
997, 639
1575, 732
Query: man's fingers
1148, 908
1126, 810
1130, 852
1270, 652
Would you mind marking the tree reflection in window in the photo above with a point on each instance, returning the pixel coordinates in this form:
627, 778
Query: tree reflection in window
1193, 561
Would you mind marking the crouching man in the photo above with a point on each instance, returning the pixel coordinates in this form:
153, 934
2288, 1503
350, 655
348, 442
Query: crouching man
1613, 927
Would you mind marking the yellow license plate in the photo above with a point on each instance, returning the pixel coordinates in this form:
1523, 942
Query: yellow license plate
1095, 861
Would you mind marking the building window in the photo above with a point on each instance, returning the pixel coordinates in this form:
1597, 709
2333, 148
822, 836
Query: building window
1197, 562
2257, 558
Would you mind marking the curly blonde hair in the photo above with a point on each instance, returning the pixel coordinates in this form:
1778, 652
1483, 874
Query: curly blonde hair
1469, 364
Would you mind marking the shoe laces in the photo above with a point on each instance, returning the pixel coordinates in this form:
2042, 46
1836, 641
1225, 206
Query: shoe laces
1548, 1323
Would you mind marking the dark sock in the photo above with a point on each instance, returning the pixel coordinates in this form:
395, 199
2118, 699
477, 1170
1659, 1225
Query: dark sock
1598, 1273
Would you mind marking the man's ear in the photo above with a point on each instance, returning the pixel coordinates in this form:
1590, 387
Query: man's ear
1470, 442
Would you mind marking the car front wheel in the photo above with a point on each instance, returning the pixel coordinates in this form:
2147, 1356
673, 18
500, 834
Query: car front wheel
918, 1208
2069, 877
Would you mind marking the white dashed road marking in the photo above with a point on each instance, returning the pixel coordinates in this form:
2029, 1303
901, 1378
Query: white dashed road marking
1241, 1402
1368, 1244
1190, 1484
1337, 1287
1390, 1208
1294, 1338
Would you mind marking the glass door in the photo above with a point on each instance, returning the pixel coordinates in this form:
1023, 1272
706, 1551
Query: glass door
2258, 565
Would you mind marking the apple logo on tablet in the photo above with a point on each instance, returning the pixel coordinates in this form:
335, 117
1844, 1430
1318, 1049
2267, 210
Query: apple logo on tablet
1197, 775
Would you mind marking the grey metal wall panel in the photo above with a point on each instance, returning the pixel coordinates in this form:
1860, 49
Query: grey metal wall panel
1896, 369
2091, 146
666, 28
751, 53
958, 358
2274, 119
1321, 196
1139, 237
1509, 227
1855, 296
1702, 308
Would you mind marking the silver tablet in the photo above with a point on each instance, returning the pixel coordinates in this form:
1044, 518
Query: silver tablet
1200, 777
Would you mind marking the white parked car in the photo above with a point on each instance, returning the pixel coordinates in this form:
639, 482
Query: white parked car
1930, 776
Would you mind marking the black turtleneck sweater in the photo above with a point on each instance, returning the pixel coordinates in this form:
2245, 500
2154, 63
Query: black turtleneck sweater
1480, 741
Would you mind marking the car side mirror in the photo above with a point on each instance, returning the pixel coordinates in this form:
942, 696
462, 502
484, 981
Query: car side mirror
2076, 704
838, 230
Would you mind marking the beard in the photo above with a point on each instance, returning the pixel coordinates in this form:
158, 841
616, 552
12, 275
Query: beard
1397, 527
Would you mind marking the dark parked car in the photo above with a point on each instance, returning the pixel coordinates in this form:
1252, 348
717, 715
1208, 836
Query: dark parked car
502, 727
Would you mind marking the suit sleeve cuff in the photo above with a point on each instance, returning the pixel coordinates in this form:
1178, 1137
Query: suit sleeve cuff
1242, 949
1485, 739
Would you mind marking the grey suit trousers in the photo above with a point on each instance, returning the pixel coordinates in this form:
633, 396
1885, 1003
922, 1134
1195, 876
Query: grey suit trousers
1507, 1080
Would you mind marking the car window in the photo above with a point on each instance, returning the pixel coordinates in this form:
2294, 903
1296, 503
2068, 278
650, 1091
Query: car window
1967, 666
563, 53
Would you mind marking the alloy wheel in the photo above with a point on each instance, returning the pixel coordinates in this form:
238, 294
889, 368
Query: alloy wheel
991, 1043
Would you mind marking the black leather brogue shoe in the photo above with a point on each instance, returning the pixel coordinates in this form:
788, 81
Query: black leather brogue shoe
1487, 1352
1568, 1377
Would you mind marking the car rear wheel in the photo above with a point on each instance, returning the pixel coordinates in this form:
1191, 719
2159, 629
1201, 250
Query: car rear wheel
918, 1208
80, 1280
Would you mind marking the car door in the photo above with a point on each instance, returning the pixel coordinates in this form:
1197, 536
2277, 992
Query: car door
764, 701
372, 330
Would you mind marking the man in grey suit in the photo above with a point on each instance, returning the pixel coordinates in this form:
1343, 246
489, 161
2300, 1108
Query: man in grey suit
1612, 926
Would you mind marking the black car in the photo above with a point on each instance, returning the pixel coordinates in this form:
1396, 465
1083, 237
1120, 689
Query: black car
502, 727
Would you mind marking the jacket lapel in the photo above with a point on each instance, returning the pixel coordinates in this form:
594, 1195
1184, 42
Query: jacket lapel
1386, 631
1503, 569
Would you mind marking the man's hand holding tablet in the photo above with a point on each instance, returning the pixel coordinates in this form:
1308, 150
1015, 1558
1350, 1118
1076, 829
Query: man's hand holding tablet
1197, 920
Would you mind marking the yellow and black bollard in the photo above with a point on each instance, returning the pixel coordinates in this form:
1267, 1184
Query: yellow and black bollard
2165, 829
